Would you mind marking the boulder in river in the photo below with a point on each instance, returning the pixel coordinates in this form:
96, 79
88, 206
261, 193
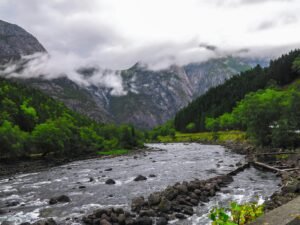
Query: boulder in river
144, 220
45, 222
154, 198
171, 193
180, 216
110, 182
104, 222
12, 203
161, 221
182, 188
137, 203
140, 178
59, 199
149, 213
164, 205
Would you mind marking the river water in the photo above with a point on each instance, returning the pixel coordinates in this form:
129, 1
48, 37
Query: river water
170, 163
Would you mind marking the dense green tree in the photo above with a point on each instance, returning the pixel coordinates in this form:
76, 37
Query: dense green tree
12, 140
47, 137
90, 140
224, 98
32, 122
270, 117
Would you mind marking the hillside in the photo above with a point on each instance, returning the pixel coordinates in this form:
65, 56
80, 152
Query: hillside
31, 122
223, 98
15, 42
153, 96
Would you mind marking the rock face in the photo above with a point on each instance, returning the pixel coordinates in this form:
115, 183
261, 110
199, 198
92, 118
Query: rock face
15, 41
152, 98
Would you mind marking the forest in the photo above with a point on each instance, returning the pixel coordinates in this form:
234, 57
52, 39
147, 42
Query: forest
33, 123
264, 102
223, 98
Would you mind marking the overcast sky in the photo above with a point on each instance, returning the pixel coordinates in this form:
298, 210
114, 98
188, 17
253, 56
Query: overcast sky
118, 33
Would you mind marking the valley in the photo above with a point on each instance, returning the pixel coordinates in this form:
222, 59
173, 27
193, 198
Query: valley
174, 139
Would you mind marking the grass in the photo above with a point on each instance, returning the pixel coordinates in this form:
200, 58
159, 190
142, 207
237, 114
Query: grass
220, 136
113, 152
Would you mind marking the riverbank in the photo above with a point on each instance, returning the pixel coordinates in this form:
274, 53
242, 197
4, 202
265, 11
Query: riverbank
84, 182
12, 167
237, 142
175, 202
186, 198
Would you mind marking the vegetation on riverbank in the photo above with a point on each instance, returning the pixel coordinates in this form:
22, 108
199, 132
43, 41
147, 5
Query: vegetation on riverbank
113, 152
225, 97
236, 214
262, 103
270, 117
205, 137
33, 123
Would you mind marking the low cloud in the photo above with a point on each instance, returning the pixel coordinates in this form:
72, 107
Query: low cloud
114, 35
44, 66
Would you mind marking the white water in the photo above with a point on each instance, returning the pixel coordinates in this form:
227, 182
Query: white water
173, 163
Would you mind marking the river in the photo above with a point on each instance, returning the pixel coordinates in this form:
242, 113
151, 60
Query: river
84, 182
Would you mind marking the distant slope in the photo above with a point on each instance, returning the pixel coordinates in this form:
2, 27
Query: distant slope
73, 96
223, 98
32, 122
153, 96
15, 41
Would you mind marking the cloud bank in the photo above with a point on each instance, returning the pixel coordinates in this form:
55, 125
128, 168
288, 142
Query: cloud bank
115, 34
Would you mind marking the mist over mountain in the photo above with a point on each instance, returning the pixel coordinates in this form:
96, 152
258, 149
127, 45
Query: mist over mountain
138, 95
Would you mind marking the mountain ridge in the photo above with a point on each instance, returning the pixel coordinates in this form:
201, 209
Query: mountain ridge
152, 98
15, 42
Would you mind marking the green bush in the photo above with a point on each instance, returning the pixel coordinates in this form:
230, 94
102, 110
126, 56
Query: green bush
237, 214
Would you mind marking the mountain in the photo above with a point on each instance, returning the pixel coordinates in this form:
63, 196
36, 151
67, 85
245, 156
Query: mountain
15, 42
155, 96
223, 98
31, 122
77, 98
152, 98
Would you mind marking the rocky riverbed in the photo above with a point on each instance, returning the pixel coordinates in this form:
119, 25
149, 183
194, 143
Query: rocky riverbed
80, 188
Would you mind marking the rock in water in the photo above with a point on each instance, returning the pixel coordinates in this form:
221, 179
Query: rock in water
161, 221
154, 199
140, 178
144, 220
45, 222
110, 182
137, 203
164, 205
59, 199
